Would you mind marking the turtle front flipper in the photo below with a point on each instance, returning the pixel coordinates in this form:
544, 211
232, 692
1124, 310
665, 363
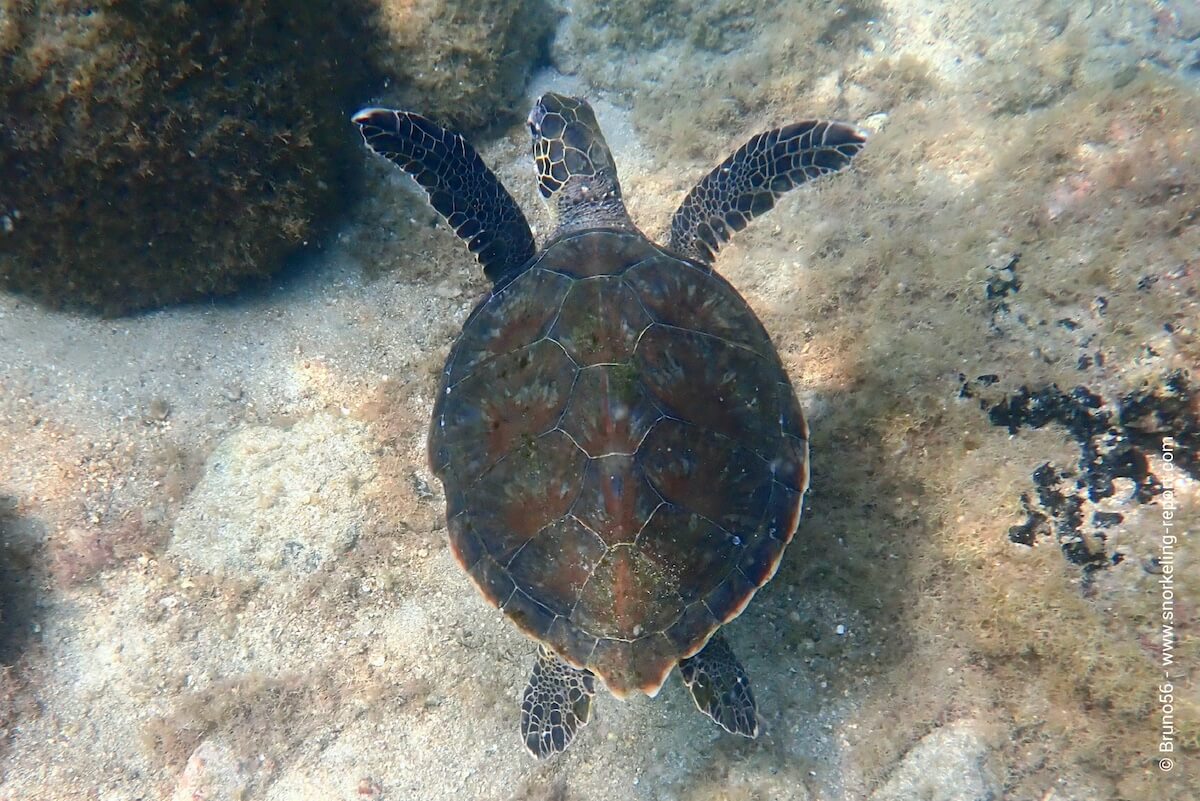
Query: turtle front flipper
459, 184
720, 687
556, 705
750, 181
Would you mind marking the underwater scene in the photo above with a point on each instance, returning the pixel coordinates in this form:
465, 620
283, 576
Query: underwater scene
565, 400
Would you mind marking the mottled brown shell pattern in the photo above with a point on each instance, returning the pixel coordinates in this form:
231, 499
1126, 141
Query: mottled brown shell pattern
623, 456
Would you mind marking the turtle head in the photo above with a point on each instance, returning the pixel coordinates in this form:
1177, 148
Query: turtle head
576, 172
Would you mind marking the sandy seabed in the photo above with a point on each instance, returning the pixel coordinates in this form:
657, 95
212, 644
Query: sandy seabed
225, 572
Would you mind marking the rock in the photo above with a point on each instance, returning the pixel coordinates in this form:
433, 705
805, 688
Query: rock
274, 504
461, 62
948, 764
192, 145
213, 773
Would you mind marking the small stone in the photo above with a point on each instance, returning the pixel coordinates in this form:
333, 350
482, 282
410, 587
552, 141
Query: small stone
158, 411
876, 122
840, 629
212, 772
421, 486
268, 487
447, 290
422, 552
948, 764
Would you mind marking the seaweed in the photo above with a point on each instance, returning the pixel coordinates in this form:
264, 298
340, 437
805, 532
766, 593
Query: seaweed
1114, 443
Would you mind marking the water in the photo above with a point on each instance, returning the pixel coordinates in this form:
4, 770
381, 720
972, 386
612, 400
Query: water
225, 564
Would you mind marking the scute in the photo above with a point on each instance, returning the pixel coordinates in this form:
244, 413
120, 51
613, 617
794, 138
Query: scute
513, 318
689, 633
555, 565
629, 596
729, 598
688, 296
622, 453
615, 500
641, 665
710, 383
609, 411
707, 473
500, 405
600, 321
599, 252
532, 487
695, 552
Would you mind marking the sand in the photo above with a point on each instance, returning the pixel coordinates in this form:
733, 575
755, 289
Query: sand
225, 569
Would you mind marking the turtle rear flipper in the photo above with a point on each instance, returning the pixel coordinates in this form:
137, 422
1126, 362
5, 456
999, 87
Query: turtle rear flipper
720, 687
750, 181
460, 186
557, 703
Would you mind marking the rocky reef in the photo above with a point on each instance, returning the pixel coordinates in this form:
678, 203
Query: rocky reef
222, 541
461, 62
157, 151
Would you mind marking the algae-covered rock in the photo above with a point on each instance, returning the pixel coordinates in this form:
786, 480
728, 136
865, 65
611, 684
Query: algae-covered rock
153, 151
755, 61
636, 24
462, 62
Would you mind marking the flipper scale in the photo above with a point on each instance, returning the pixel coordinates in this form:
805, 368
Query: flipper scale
460, 186
749, 182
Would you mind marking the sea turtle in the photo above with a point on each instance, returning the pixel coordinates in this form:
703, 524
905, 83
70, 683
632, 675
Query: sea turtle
623, 456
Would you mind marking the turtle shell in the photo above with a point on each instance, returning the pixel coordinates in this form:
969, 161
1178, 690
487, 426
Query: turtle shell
623, 456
